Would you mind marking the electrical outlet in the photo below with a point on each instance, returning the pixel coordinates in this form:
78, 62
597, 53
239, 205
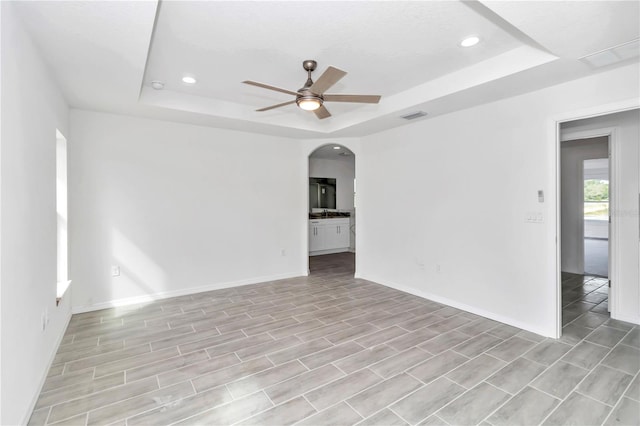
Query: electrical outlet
115, 271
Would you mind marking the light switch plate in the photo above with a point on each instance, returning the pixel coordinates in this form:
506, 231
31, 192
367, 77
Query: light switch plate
534, 217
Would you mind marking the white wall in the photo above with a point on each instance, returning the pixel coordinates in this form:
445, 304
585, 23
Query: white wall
179, 208
625, 188
454, 191
343, 171
572, 156
32, 109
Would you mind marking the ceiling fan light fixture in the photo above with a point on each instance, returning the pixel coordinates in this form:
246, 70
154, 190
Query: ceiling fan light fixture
309, 103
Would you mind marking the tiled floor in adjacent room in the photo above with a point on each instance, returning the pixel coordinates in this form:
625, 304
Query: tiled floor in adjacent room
596, 256
331, 349
582, 294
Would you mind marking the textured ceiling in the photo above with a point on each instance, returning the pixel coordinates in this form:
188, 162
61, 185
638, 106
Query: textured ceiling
105, 54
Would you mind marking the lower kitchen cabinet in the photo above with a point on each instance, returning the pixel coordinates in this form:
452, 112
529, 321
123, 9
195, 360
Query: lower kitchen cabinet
328, 236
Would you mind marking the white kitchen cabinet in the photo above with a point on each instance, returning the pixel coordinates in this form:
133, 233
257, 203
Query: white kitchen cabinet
336, 235
316, 235
328, 236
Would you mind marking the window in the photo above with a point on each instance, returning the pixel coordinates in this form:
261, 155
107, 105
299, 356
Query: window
596, 190
61, 210
596, 199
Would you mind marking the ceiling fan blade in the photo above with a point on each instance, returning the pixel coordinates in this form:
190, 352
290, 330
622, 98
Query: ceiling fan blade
276, 106
322, 112
362, 99
266, 86
330, 77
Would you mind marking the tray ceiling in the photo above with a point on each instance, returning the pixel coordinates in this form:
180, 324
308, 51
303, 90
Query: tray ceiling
105, 55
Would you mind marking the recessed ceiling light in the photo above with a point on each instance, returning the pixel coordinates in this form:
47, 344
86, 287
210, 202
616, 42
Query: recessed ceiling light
157, 84
470, 41
336, 147
188, 79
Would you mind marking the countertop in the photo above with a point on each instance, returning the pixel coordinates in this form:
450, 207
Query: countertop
330, 215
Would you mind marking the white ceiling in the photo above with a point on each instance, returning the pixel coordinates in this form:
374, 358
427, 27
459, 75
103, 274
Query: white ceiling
105, 55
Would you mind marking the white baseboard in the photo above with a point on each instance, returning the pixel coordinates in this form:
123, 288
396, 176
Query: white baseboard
183, 292
458, 305
631, 319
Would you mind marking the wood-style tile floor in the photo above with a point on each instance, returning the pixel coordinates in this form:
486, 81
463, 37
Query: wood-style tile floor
331, 349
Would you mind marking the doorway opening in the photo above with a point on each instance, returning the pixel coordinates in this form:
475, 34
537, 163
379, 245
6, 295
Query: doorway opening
331, 211
598, 255
588, 297
585, 256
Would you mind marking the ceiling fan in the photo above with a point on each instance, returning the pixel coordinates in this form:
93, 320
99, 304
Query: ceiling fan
312, 96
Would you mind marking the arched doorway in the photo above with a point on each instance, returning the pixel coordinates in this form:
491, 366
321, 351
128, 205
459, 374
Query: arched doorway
331, 210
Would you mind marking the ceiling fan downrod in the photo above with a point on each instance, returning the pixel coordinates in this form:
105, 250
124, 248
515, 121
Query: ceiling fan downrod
309, 65
306, 99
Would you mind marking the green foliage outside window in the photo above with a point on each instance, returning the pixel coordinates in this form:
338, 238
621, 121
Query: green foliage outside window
596, 190
596, 198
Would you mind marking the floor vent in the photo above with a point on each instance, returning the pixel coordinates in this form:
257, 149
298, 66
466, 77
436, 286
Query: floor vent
414, 115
